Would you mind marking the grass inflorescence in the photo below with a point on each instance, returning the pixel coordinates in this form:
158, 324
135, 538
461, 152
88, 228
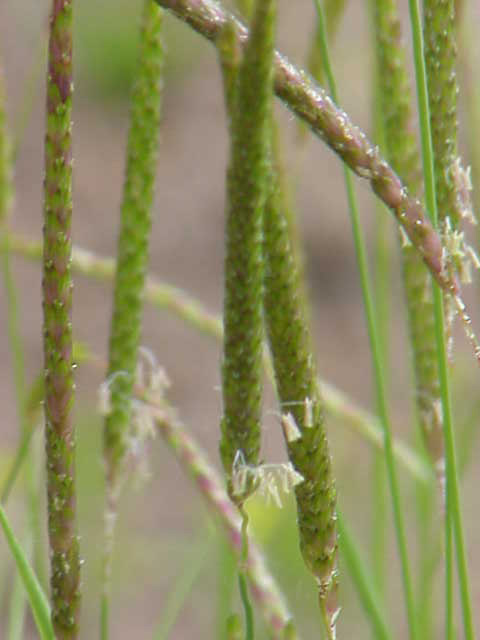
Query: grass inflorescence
265, 333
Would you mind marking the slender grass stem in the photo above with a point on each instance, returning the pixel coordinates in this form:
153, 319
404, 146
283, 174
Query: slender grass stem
377, 363
368, 594
249, 625
453, 509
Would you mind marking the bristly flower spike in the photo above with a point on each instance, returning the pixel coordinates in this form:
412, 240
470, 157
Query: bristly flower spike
57, 329
301, 406
248, 96
130, 276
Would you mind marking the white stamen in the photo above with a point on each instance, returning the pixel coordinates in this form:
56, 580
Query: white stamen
290, 428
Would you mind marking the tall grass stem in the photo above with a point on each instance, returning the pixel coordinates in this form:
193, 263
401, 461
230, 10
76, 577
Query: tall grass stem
453, 509
375, 347
57, 329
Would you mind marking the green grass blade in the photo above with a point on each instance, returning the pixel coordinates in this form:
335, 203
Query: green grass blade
227, 565
363, 582
16, 610
453, 509
181, 589
379, 377
36, 596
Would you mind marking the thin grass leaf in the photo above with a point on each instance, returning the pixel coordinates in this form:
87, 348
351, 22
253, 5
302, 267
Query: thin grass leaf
403, 154
227, 572
377, 364
193, 563
18, 601
334, 10
453, 509
36, 596
362, 579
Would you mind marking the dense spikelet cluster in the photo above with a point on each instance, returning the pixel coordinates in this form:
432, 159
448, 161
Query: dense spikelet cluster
296, 378
130, 274
57, 330
250, 106
441, 59
135, 224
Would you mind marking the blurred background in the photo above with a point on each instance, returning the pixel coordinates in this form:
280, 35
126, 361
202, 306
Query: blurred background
163, 525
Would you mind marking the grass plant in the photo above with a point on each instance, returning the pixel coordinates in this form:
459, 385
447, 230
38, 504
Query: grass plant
264, 333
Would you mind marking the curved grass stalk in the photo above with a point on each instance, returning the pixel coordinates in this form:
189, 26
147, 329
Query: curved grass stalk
453, 510
166, 297
377, 363
130, 274
333, 126
262, 585
57, 329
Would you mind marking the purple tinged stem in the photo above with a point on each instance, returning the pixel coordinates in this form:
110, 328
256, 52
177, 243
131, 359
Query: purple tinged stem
334, 127
57, 331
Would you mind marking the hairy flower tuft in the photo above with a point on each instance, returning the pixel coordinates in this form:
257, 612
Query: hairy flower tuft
458, 253
462, 181
290, 428
270, 480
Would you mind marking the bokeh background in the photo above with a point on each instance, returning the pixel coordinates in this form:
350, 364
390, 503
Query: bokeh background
163, 527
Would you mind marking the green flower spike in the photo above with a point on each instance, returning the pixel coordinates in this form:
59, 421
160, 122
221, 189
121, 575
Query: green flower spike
135, 225
296, 377
132, 262
440, 60
246, 192
57, 328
